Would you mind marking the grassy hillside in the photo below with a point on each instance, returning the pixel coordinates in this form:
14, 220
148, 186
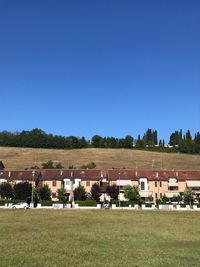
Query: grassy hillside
21, 158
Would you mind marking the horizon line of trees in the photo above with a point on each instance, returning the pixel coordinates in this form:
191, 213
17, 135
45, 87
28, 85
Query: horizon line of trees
37, 138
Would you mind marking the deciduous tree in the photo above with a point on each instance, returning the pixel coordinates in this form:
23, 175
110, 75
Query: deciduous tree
6, 190
95, 192
22, 190
188, 196
112, 191
44, 193
80, 193
62, 194
132, 193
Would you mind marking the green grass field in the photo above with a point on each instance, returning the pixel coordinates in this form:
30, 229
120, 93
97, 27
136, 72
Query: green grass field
99, 238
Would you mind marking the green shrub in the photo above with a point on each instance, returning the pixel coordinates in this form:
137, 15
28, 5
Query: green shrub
49, 202
125, 203
148, 205
3, 202
12, 201
86, 203
182, 205
46, 203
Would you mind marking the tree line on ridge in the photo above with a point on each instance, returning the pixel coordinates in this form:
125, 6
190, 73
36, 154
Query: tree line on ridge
37, 138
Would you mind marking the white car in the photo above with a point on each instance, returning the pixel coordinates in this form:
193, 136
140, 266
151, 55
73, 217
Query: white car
20, 205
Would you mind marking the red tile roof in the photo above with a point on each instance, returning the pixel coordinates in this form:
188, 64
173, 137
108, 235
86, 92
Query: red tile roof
55, 174
83, 174
3, 174
19, 175
51, 174
121, 174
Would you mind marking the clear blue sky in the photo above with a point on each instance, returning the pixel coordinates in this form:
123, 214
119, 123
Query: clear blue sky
100, 67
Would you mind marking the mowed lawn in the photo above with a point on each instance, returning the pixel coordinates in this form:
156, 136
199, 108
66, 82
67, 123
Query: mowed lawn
99, 238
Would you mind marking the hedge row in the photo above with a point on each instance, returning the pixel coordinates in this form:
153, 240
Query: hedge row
13, 201
125, 203
49, 202
86, 203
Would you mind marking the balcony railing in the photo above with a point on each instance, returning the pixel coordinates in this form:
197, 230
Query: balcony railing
144, 193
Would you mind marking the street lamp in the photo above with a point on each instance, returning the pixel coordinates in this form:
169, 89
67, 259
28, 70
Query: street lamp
72, 188
119, 189
32, 205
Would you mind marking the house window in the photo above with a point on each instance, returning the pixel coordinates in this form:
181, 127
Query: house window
142, 186
160, 195
53, 195
67, 183
54, 183
172, 188
87, 183
160, 184
156, 195
155, 184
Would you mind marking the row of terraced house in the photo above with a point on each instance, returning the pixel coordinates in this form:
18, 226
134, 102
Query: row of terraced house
151, 183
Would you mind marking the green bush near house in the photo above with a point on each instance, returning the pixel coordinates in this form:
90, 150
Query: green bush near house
46, 203
183, 205
49, 202
12, 201
148, 205
3, 202
132, 193
86, 203
125, 203
163, 202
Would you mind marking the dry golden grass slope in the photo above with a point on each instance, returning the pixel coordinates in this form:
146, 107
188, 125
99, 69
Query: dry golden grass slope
21, 158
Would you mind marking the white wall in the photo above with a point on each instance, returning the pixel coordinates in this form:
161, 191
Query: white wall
77, 182
145, 183
67, 184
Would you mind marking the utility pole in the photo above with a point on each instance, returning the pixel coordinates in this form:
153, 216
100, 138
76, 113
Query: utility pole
119, 189
32, 204
72, 188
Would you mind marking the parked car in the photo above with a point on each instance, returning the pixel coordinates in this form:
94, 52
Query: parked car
20, 205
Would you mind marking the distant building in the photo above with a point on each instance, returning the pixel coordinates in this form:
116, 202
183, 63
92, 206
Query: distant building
152, 183
2, 167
